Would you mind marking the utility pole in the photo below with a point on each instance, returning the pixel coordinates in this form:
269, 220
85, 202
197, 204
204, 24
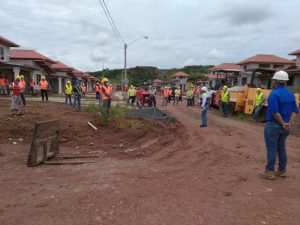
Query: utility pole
125, 79
125, 65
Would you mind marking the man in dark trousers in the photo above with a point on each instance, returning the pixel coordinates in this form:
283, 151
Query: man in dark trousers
77, 96
282, 111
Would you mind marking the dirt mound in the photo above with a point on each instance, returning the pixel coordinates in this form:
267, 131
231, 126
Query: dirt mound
126, 138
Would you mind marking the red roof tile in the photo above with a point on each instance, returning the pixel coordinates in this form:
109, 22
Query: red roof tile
219, 76
29, 54
8, 42
226, 66
180, 74
157, 81
297, 52
263, 58
76, 71
60, 66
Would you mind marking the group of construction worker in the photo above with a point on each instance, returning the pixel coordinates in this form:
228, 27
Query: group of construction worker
77, 91
18, 87
169, 94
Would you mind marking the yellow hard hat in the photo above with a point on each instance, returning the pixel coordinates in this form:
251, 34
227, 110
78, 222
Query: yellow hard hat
258, 89
69, 82
104, 80
21, 76
131, 86
43, 77
225, 86
18, 77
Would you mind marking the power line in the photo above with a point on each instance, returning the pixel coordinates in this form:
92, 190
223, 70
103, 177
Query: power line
120, 39
113, 21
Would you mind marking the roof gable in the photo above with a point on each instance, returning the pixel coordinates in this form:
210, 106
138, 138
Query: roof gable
8, 42
29, 55
297, 52
226, 66
265, 58
180, 74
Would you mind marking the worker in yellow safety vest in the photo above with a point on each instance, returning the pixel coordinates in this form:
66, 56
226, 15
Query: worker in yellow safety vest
190, 95
131, 95
225, 96
177, 95
68, 92
258, 103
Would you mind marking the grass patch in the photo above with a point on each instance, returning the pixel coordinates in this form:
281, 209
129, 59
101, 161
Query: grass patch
116, 118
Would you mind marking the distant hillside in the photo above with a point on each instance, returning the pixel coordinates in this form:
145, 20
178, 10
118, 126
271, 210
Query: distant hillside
140, 75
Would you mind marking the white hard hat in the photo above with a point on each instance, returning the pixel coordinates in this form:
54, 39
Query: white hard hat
204, 89
281, 76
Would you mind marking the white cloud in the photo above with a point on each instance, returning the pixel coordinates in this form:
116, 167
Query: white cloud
180, 32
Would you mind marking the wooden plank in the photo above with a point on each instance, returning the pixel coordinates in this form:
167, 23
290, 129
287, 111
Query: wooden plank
67, 163
77, 156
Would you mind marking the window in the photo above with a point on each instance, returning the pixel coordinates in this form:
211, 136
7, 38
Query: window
290, 81
264, 65
2, 53
277, 66
245, 67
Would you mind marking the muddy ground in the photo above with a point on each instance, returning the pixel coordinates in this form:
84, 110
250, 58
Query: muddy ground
148, 172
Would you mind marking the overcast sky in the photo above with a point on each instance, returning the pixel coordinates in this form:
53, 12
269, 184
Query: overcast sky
181, 32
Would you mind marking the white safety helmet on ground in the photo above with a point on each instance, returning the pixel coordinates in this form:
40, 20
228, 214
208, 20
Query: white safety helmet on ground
204, 89
281, 76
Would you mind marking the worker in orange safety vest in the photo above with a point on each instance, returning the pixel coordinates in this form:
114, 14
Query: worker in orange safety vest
83, 90
106, 92
44, 86
165, 96
22, 85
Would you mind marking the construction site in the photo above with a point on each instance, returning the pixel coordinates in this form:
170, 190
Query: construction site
143, 171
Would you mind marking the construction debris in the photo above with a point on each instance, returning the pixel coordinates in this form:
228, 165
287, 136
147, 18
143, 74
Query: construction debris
95, 128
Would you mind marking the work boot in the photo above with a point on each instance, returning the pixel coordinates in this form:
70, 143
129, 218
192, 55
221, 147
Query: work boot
270, 175
202, 125
280, 174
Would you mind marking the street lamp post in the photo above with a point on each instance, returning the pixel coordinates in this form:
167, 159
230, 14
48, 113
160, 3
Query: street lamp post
125, 79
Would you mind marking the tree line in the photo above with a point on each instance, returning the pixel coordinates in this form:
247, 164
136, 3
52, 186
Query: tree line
143, 75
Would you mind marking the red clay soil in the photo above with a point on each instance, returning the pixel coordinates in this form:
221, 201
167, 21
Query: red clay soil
174, 174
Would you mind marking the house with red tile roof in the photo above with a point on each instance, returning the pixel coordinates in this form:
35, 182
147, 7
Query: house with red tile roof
225, 73
65, 72
9, 67
179, 80
157, 83
259, 69
294, 72
33, 65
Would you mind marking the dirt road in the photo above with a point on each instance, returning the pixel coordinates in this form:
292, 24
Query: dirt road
194, 176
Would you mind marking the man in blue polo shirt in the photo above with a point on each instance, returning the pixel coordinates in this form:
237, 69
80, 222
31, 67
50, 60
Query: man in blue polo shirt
282, 111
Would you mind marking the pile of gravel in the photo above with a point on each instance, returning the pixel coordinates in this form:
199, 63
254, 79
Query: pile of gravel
150, 113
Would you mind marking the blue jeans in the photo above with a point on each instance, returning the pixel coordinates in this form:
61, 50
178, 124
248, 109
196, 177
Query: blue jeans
77, 102
257, 110
68, 97
204, 116
275, 138
224, 108
165, 101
